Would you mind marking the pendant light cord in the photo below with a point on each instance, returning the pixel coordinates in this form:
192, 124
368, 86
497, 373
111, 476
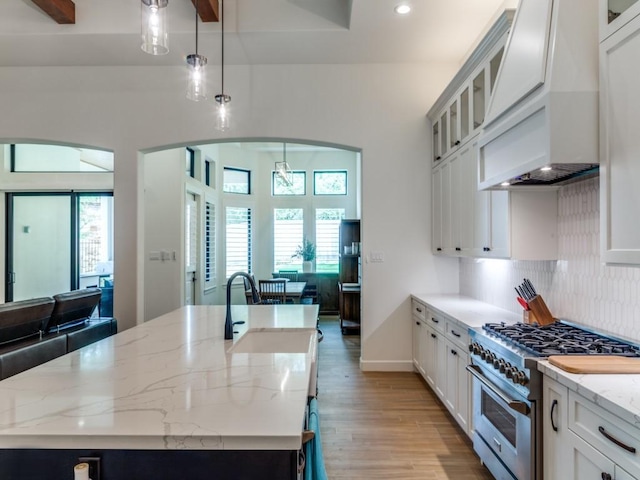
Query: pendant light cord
222, 25
196, 27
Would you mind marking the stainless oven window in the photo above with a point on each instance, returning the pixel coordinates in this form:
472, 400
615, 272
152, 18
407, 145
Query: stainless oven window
500, 418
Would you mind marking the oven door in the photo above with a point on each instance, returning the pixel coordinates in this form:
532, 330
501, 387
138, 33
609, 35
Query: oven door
503, 423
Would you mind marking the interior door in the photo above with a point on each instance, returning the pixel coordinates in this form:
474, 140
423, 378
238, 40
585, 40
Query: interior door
40, 250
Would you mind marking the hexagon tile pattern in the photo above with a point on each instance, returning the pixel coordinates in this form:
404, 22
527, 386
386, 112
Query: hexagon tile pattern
578, 287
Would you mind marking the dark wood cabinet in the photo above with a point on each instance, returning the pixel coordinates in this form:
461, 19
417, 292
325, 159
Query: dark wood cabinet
325, 286
349, 276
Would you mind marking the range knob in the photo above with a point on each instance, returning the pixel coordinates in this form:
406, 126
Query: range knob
510, 370
496, 363
521, 378
502, 365
491, 357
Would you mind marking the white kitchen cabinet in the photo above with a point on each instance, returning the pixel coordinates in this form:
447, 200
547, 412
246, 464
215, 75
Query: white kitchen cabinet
416, 337
433, 340
614, 14
575, 447
619, 145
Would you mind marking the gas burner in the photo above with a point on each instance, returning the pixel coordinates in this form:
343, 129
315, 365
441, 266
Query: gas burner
560, 339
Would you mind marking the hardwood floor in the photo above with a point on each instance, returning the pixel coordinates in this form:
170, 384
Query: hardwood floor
377, 425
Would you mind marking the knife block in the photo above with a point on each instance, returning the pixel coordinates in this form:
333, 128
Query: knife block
541, 311
529, 317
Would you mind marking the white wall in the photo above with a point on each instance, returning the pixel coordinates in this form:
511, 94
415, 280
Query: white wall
379, 109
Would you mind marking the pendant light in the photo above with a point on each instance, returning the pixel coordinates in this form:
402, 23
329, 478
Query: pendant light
154, 27
283, 170
197, 79
222, 120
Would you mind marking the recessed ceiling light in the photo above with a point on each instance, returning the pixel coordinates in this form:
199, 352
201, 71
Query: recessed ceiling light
402, 9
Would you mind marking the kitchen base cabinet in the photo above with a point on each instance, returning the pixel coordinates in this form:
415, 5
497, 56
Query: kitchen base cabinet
440, 356
575, 447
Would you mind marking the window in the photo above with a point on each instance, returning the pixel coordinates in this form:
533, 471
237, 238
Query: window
237, 181
58, 158
297, 187
287, 236
190, 163
207, 173
238, 240
330, 182
328, 238
209, 242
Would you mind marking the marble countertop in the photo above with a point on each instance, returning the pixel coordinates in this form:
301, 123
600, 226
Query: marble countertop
469, 311
169, 383
618, 394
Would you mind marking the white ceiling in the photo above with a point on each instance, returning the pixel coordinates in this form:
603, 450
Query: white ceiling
107, 32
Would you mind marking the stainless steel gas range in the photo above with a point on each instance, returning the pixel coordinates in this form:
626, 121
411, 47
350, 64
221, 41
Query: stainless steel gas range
507, 388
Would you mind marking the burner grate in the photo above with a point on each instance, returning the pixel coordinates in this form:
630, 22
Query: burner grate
560, 339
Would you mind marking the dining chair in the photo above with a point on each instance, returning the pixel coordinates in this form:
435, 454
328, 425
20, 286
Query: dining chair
247, 288
292, 275
273, 291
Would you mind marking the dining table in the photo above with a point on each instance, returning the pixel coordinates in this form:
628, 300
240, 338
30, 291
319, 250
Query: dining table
294, 290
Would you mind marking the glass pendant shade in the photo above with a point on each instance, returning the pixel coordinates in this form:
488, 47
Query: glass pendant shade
155, 40
222, 119
197, 80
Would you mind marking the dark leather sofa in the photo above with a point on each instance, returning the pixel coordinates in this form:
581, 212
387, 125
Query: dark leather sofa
38, 330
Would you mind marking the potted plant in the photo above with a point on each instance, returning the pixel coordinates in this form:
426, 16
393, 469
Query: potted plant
306, 251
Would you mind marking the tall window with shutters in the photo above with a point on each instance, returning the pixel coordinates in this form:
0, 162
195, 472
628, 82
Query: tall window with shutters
287, 235
328, 238
238, 240
209, 244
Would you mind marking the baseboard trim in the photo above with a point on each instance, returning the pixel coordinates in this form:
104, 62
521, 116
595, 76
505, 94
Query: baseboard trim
386, 365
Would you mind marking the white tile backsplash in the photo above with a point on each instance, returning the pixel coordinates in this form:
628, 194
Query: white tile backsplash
578, 287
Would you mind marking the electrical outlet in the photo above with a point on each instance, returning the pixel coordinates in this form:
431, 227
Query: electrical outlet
94, 466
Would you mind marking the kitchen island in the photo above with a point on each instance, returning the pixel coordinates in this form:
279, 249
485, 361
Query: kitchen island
166, 399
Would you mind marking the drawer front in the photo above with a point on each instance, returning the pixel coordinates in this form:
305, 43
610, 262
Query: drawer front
437, 322
457, 334
419, 310
607, 433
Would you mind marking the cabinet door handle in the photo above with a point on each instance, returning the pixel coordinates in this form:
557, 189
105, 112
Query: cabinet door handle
554, 404
611, 438
453, 352
433, 335
438, 157
458, 249
606, 476
486, 249
455, 334
434, 320
418, 323
438, 249
457, 142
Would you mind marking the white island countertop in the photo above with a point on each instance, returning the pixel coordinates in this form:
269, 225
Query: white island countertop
169, 383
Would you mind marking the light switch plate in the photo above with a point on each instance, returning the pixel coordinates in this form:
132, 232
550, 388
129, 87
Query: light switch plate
377, 257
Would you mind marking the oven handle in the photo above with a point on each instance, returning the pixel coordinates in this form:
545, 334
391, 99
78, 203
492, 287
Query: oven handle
520, 407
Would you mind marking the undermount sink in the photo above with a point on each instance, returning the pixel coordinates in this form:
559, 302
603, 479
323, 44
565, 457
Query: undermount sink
281, 341
263, 341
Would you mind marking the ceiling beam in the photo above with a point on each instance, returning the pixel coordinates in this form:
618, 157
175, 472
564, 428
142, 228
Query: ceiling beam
62, 11
208, 10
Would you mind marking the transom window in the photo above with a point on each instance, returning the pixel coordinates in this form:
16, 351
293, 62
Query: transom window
296, 187
236, 180
28, 157
330, 182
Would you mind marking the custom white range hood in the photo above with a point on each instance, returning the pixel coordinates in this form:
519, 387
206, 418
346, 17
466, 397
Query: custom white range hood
542, 119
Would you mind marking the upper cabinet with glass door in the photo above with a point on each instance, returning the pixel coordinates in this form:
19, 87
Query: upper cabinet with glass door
616, 13
459, 112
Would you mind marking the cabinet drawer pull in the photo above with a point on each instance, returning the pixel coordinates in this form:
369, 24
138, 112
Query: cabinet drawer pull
433, 335
554, 404
453, 352
418, 309
606, 476
455, 334
438, 249
418, 323
457, 142
486, 249
615, 440
458, 249
434, 320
